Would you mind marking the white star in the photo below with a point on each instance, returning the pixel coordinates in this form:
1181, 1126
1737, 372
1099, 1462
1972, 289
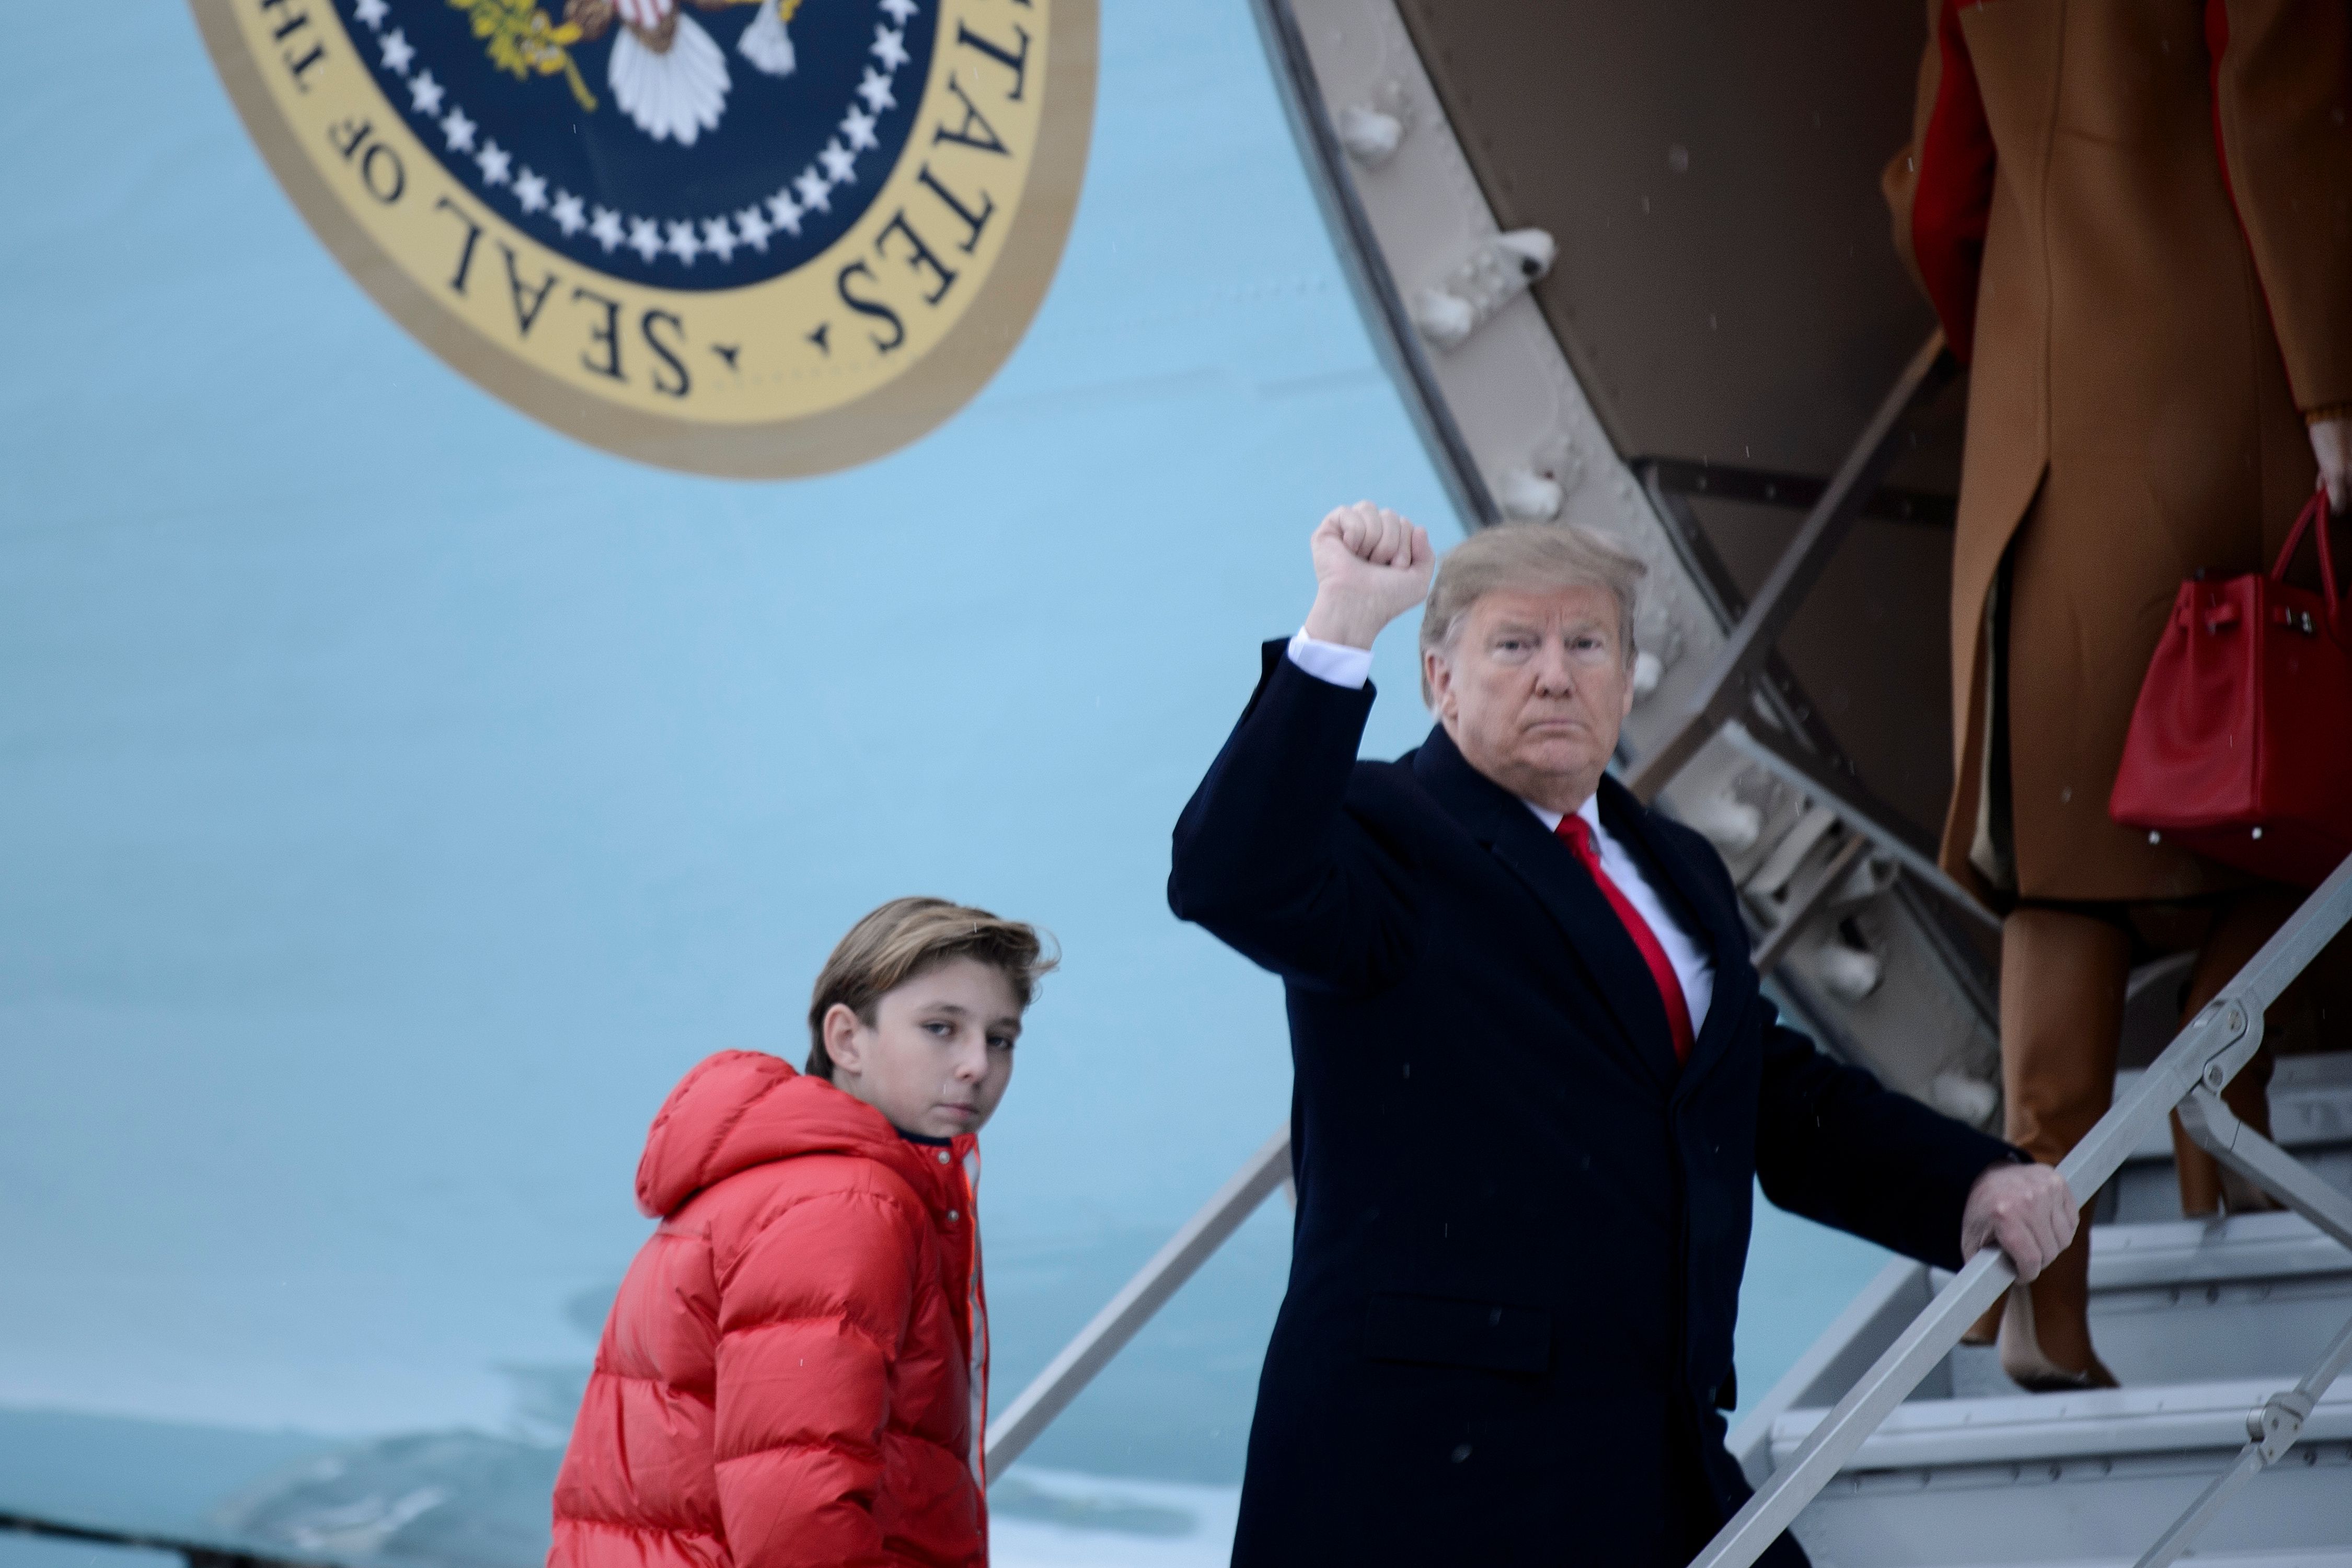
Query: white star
425, 93
901, 10
718, 238
458, 129
891, 46
645, 238
494, 160
812, 187
876, 90
785, 211
859, 126
606, 229
530, 190
371, 13
839, 164
682, 243
397, 52
753, 228
567, 215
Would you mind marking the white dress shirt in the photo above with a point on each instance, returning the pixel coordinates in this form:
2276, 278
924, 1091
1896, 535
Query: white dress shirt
1352, 666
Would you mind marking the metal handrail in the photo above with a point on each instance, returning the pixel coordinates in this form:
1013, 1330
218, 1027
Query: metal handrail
2189, 1073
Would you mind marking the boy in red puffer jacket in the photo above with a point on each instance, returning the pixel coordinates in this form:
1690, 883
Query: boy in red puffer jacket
795, 1374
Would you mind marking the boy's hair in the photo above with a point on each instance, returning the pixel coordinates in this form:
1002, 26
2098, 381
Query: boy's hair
907, 937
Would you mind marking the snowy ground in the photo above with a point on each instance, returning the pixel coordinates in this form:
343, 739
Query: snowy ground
1059, 1519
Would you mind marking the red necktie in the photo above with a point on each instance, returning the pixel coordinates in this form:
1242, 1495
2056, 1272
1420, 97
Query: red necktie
1577, 833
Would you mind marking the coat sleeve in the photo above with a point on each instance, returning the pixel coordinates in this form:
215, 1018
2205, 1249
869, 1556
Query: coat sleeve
1835, 1145
1269, 857
812, 1310
2283, 113
1939, 186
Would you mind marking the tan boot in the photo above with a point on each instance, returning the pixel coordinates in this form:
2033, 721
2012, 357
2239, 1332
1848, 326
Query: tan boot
2061, 999
2046, 1334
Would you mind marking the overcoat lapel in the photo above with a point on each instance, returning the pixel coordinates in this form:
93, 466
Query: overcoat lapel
1717, 925
1594, 936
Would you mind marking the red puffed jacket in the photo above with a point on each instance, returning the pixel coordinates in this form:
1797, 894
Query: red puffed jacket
795, 1374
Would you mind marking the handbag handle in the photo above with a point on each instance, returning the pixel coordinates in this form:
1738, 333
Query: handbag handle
2314, 517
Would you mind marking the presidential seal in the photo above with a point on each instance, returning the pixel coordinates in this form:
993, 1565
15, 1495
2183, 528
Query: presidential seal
756, 237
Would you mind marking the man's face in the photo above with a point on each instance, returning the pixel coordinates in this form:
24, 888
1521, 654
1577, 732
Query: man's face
1534, 690
938, 1056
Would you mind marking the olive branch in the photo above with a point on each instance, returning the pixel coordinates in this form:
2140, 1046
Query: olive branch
523, 43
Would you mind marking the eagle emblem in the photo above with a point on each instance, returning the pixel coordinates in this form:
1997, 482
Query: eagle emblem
666, 73
734, 236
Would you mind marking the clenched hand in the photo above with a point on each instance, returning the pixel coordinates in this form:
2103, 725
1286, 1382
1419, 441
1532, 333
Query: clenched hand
2027, 1211
1370, 567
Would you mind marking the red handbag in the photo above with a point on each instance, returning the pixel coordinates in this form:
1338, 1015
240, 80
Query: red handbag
2240, 744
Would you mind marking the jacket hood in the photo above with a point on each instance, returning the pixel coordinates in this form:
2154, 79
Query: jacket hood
740, 1109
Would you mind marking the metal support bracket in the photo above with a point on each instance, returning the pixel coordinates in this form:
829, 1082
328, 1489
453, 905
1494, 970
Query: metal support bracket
1802, 908
1724, 692
1858, 808
2271, 1428
2215, 1129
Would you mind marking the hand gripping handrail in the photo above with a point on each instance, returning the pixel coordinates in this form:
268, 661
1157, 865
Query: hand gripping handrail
2195, 1067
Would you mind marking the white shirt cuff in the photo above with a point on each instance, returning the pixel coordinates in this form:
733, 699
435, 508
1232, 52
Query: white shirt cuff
1334, 662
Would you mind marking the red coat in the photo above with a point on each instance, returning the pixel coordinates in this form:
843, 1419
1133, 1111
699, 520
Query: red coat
795, 1370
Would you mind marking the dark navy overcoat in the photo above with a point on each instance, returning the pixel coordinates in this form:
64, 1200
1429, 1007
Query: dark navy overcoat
1521, 1226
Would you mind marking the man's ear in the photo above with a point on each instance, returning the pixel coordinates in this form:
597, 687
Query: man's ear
842, 1041
1434, 669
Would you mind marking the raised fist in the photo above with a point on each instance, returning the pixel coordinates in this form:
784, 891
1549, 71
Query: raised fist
1370, 567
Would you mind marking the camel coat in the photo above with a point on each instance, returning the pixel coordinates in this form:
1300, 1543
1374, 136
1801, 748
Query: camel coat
2135, 219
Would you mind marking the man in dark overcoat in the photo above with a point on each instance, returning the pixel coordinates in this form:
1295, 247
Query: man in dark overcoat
1536, 1084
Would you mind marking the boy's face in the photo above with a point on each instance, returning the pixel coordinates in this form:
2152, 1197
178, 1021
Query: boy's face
938, 1054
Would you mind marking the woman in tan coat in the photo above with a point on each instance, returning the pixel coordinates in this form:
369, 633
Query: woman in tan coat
2135, 219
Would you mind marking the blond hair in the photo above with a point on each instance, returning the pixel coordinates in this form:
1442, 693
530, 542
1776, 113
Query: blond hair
1534, 557
908, 937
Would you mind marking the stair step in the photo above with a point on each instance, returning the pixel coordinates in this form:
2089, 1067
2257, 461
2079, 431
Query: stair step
2030, 1479
2033, 1429
2196, 1301
2202, 1319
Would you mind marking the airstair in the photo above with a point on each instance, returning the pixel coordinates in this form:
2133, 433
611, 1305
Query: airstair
2202, 1322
